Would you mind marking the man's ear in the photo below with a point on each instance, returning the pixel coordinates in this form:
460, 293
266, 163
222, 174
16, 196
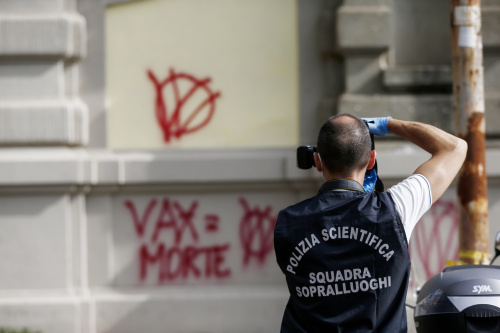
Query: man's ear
317, 162
371, 161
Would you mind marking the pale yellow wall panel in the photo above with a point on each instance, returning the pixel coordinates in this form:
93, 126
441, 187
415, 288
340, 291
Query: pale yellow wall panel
248, 48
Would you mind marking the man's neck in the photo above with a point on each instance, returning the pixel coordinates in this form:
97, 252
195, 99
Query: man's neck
359, 177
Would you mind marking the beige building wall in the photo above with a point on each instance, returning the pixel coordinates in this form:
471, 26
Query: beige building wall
215, 74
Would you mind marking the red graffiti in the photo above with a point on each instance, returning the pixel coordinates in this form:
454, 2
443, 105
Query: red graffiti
211, 223
177, 222
170, 235
176, 261
256, 232
172, 125
184, 262
140, 223
431, 250
171, 216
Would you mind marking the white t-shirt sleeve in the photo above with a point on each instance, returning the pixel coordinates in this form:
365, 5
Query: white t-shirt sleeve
413, 198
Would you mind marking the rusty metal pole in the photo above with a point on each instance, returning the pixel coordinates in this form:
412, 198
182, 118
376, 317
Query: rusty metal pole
468, 104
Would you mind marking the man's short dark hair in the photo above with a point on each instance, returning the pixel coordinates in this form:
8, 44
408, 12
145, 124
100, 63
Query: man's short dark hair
344, 144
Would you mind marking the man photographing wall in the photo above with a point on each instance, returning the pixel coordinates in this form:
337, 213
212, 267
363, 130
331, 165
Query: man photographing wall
344, 252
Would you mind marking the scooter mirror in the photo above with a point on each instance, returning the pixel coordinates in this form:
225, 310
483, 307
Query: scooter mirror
497, 247
497, 244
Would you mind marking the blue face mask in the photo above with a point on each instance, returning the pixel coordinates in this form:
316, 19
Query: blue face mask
370, 180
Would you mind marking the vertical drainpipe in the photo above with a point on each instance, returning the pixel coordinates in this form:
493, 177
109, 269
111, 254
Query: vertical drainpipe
468, 105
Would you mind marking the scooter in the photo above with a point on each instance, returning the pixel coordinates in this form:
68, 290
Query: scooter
461, 299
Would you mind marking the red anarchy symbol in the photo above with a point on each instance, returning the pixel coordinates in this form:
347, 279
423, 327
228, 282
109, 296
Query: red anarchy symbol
256, 233
429, 245
172, 126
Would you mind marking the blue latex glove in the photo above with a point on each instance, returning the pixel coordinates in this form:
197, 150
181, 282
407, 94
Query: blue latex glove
370, 180
378, 126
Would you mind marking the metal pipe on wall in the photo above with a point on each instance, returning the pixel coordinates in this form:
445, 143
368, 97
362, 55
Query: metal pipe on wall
468, 105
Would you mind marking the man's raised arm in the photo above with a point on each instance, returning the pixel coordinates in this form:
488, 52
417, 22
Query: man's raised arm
448, 152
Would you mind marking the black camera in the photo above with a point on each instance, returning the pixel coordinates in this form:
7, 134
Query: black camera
305, 157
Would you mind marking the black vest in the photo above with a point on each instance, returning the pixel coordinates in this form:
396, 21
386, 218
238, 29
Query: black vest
346, 261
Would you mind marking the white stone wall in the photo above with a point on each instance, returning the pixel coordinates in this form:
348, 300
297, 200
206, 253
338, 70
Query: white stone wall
39, 103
